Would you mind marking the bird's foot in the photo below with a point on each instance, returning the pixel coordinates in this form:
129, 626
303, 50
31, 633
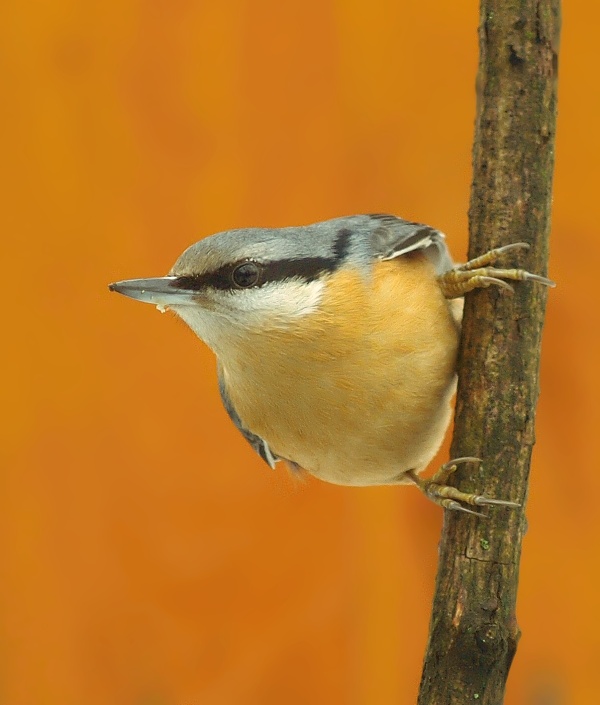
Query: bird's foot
436, 489
477, 274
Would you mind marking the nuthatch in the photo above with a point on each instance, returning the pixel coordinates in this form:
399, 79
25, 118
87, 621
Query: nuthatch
336, 342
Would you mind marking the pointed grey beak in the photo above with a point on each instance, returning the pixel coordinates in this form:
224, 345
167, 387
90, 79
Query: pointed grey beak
160, 291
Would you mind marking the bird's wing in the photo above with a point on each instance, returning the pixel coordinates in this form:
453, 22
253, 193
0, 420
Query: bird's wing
393, 237
259, 445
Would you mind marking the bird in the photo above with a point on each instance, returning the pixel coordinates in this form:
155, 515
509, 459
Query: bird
336, 342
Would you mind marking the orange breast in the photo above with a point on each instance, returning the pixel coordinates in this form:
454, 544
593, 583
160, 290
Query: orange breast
359, 391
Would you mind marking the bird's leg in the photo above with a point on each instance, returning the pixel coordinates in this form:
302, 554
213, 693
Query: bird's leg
477, 274
436, 489
491, 256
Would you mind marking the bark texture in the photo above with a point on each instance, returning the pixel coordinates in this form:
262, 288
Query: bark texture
474, 632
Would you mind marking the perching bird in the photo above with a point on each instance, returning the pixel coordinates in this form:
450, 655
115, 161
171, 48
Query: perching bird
336, 342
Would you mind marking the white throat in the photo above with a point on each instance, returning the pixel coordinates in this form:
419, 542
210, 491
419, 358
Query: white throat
231, 314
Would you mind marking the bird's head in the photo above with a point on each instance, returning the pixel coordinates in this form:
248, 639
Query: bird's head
254, 279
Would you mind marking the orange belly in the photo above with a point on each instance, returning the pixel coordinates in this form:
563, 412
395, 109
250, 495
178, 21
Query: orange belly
358, 392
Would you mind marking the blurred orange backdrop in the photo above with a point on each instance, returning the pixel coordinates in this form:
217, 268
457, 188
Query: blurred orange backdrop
148, 557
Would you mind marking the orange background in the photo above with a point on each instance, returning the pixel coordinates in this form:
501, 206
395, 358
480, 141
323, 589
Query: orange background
148, 557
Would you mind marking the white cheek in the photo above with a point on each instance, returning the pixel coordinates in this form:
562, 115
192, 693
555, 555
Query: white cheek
230, 314
207, 325
277, 302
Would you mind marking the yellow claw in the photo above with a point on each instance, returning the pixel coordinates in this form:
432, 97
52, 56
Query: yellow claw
436, 489
476, 274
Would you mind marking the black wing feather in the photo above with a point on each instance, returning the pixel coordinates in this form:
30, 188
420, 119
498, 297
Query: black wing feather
259, 445
394, 237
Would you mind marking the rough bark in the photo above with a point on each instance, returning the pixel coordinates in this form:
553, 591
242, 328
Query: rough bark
474, 632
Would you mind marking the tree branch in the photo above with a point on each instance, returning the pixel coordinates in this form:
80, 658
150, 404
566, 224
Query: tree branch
474, 633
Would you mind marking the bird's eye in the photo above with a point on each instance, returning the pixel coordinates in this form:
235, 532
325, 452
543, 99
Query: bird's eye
246, 274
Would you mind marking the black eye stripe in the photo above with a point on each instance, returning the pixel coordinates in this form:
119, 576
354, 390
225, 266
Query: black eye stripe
217, 279
307, 268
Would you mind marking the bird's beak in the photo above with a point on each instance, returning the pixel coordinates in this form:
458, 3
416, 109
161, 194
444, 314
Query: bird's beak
160, 291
